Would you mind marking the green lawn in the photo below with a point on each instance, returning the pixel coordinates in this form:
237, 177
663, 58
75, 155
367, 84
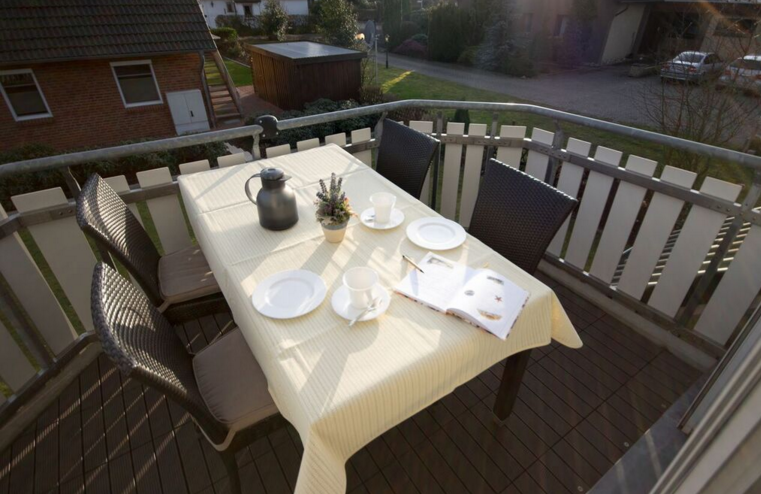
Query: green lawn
241, 74
411, 85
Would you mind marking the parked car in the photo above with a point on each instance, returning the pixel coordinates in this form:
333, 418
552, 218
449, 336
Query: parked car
744, 73
692, 66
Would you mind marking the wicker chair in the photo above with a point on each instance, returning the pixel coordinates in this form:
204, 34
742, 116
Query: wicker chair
178, 281
518, 215
222, 387
405, 155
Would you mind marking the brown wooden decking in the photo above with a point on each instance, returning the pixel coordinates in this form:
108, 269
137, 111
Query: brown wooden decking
578, 411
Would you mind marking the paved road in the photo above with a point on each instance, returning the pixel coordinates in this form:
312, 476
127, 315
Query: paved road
605, 93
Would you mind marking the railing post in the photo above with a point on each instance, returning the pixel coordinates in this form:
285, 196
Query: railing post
492, 136
71, 182
18, 320
557, 145
713, 267
437, 161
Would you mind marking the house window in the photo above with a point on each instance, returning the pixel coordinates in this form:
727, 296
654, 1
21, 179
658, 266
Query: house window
137, 83
23, 95
528, 23
247, 11
735, 27
230, 7
561, 25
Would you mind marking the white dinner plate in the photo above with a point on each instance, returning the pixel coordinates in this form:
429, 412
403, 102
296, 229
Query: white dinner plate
289, 294
340, 302
436, 233
368, 219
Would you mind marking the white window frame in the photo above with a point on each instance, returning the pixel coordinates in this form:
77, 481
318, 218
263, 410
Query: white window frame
159, 101
17, 118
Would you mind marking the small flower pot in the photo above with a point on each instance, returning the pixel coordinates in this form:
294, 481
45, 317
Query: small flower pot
334, 233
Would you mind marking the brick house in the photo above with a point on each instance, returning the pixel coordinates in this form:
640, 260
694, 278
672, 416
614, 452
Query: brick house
97, 73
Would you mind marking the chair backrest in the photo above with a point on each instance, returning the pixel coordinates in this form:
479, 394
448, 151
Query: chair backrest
144, 346
404, 156
104, 216
518, 215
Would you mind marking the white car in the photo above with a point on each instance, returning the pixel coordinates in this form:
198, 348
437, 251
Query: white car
743, 73
692, 66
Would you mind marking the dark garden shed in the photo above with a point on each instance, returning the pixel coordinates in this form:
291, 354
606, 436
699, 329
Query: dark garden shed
289, 75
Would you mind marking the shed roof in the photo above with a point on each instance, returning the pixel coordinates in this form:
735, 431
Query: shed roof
58, 30
301, 52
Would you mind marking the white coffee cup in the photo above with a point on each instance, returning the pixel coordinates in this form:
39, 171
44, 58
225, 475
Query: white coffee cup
360, 283
383, 202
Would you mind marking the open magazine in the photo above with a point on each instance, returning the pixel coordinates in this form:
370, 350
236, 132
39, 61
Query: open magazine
481, 297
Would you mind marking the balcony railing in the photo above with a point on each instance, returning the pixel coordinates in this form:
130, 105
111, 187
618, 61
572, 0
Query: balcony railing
656, 250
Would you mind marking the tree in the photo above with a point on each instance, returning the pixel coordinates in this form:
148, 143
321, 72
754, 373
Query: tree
446, 39
274, 20
337, 22
392, 21
701, 111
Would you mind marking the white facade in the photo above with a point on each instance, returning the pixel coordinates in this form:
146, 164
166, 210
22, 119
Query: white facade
213, 8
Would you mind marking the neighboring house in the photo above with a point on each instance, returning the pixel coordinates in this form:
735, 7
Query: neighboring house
248, 10
620, 29
97, 73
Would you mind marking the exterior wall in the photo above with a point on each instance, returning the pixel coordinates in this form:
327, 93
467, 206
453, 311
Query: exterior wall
87, 107
730, 48
623, 33
213, 8
545, 15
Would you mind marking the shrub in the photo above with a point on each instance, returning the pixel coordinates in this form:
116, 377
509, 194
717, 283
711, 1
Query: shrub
128, 166
228, 44
518, 65
337, 22
495, 47
412, 48
421, 38
239, 24
462, 115
468, 56
320, 130
274, 20
445, 34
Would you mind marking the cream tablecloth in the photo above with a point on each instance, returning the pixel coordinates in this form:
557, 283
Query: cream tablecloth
341, 387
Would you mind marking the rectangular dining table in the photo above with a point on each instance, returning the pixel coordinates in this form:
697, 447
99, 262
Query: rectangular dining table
342, 387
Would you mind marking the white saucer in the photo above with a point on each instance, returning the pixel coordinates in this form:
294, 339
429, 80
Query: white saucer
341, 305
368, 219
436, 233
289, 294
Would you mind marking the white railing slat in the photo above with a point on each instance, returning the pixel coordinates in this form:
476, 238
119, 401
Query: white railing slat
231, 160
363, 135
653, 234
569, 182
308, 144
590, 210
275, 151
165, 211
194, 167
25, 280
15, 369
65, 249
511, 155
471, 180
339, 139
623, 213
536, 162
736, 291
451, 183
690, 250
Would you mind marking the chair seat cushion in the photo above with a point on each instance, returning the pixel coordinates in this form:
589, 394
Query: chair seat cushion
231, 382
185, 275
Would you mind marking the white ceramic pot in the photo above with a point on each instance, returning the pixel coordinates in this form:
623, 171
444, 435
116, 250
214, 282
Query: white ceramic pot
334, 233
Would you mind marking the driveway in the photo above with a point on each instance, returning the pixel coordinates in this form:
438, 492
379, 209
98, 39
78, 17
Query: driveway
606, 93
